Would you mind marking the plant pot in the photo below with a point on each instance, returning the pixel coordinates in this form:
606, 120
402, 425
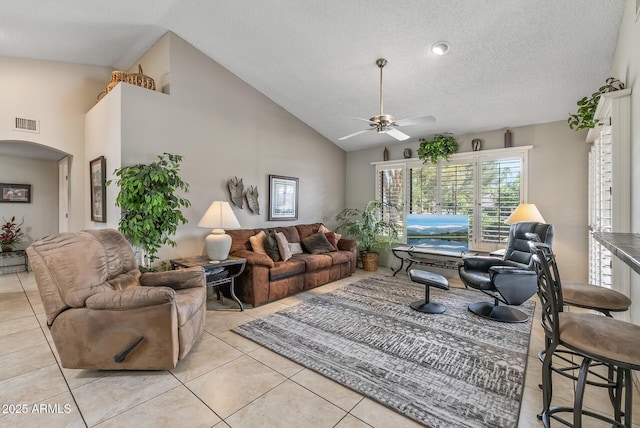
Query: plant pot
7, 248
369, 262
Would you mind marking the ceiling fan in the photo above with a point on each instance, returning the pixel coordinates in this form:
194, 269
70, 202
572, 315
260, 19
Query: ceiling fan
385, 123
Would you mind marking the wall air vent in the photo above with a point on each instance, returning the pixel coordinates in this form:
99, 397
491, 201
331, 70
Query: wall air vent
27, 125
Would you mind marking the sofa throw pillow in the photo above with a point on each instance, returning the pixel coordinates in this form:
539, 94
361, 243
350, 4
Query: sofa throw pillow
271, 247
331, 237
295, 248
324, 229
317, 244
283, 246
257, 242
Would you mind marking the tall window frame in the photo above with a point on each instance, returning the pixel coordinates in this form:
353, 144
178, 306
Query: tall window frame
445, 201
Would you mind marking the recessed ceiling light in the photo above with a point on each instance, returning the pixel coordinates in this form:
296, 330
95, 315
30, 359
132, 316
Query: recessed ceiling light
440, 48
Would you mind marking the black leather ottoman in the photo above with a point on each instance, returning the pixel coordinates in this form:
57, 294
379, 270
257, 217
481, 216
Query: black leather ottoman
429, 279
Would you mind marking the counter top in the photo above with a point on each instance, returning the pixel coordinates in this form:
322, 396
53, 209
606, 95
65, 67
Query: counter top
625, 246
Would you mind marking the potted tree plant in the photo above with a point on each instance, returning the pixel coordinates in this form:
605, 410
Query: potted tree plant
10, 234
150, 206
439, 146
373, 230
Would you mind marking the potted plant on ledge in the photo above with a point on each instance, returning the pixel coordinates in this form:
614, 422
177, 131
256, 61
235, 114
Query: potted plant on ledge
585, 116
440, 146
10, 234
373, 230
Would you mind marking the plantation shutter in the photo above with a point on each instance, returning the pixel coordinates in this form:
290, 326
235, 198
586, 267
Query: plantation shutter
600, 206
457, 191
390, 192
423, 193
500, 195
486, 187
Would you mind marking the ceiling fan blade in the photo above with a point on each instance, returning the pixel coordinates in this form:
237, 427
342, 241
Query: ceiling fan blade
420, 120
353, 135
400, 136
364, 120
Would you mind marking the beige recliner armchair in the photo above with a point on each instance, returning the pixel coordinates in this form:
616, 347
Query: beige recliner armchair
104, 314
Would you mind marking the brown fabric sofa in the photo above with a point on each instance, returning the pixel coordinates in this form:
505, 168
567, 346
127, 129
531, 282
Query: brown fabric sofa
265, 280
98, 304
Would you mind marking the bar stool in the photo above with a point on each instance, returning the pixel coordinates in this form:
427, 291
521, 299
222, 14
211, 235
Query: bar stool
586, 296
589, 296
592, 337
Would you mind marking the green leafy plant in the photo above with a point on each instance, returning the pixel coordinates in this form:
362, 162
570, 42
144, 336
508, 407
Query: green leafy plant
150, 206
585, 116
372, 226
10, 233
440, 146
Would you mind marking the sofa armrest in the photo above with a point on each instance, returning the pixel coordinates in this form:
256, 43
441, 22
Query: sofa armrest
254, 258
131, 298
176, 279
347, 244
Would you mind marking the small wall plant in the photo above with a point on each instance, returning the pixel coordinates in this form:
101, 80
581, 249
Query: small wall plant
440, 146
584, 117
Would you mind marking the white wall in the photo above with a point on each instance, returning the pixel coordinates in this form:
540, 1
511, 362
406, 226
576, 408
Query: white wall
103, 135
58, 95
223, 128
558, 175
626, 67
41, 215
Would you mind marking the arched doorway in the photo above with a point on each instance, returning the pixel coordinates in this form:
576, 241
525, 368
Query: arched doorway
46, 170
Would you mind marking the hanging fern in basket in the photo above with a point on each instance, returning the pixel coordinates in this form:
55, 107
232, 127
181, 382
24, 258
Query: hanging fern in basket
439, 146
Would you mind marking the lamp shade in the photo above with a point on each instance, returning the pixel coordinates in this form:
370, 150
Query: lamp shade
219, 216
525, 212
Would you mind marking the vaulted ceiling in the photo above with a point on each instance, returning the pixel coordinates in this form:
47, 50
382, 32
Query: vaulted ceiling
511, 62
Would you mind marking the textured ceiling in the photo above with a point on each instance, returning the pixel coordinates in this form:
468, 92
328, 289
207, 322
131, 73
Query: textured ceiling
511, 63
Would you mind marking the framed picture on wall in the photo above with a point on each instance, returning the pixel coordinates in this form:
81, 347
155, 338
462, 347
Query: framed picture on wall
15, 193
98, 175
283, 198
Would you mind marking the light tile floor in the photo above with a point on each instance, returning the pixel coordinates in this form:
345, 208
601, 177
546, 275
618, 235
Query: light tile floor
226, 381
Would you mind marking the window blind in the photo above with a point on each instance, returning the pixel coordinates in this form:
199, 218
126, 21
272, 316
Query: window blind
390, 192
600, 206
500, 195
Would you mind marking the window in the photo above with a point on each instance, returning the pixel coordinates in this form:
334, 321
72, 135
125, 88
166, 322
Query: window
600, 206
499, 197
485, 186
391, 190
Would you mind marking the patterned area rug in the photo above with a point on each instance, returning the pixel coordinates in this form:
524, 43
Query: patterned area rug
454, 369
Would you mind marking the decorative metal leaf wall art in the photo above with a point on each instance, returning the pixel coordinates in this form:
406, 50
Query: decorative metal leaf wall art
236, 190
252, 199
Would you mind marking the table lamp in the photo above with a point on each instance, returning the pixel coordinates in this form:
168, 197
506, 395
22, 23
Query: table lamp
525, 212
219, 216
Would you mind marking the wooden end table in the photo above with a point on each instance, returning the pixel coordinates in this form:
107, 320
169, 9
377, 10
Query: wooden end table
217, 272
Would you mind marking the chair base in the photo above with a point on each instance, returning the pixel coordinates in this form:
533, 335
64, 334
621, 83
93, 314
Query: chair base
498, 313
427, 307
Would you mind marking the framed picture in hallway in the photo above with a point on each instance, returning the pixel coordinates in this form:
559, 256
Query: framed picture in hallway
15, 193
98, 175
283, 198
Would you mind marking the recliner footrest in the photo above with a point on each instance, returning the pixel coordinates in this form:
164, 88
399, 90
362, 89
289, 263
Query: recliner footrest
429, 278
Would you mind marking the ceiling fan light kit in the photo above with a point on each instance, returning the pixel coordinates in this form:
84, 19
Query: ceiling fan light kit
385, 123
440, 48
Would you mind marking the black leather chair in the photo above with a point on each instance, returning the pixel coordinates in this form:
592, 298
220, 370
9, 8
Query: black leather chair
510, 280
